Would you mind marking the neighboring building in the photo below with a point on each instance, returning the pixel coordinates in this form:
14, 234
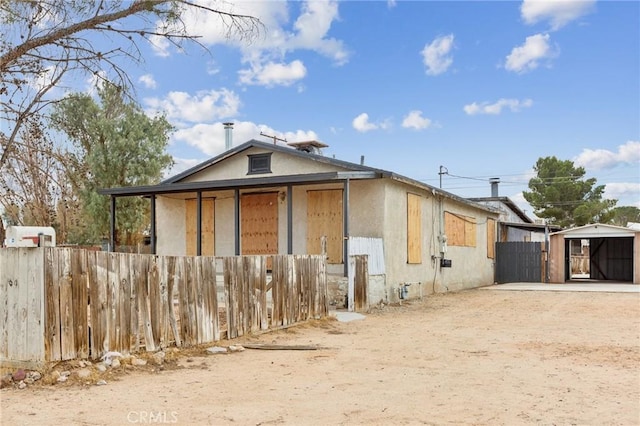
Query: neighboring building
514, 224
613, 254
260, 199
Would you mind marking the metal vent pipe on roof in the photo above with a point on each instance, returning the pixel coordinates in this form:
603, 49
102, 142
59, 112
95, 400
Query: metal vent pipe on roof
228, 136
494, 186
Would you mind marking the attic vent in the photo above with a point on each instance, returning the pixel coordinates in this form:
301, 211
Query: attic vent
311, 147
259, 163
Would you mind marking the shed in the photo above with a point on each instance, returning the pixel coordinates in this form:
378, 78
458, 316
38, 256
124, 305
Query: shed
612, 253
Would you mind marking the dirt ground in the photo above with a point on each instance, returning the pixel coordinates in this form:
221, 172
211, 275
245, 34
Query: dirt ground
474, 357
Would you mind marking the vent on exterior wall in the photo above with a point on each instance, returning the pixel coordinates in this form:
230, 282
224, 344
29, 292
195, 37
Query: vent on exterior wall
312, 147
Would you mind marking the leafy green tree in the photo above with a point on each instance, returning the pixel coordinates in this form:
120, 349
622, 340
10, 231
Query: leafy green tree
625, 214
116, 145
561, 194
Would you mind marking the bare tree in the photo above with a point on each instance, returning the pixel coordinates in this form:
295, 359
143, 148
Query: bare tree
34, 182
47, 42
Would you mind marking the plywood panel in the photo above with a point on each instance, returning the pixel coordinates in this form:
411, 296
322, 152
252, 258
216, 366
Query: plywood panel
414, 228
470, 231
259, 223
454, 229
460, 230
208, 226
491, 238
324, 218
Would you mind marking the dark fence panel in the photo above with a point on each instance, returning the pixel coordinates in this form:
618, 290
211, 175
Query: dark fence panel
519, 261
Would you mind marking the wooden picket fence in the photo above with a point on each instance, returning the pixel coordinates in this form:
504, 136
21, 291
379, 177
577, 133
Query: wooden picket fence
61, 304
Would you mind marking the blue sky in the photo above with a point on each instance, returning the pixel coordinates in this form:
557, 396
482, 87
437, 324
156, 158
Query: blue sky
481, 88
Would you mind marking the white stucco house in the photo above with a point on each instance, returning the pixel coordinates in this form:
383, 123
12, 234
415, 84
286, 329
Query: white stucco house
260, 199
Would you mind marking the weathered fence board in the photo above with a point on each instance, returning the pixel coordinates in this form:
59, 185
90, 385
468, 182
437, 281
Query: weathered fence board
22, 319
60, 304
52, 308
80, 297
361, 283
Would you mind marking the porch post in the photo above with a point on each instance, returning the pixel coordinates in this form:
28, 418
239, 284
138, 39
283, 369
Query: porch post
237, 221
199, 223
345, 220
112, 225
153, 224
289, 219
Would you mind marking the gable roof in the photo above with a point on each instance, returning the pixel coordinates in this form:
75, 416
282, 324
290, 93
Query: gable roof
507, 202
175, 183
273, 147
597, 230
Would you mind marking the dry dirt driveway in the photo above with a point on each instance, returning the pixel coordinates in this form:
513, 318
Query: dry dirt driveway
474, 357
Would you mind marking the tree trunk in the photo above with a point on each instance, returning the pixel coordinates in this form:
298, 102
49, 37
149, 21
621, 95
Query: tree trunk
2, 233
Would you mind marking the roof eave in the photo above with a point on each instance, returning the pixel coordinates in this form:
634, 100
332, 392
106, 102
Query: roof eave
258, 182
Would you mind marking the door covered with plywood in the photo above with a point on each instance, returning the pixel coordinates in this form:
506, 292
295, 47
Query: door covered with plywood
259, 223
324, 218
207, 230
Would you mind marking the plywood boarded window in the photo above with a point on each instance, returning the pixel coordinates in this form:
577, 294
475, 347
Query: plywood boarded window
324, 218
259, 223
414, 228
460, 229
207, 231
491, 238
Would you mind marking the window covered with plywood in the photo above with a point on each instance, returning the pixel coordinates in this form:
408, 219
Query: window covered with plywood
324, 219
207, 236
491, 238
460, 230
414, 228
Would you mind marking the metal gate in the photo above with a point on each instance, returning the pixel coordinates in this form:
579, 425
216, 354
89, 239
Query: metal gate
519, 261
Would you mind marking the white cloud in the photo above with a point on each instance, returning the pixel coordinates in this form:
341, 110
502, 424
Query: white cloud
301, 136
558, 13
160, 46
623, 190
596, 159
436, 55
95, 82
272, 74
528, 56
415, 120
148, 81
279, 37
391, 4
362, 124
212, 67
496, 108
210, 138
45, 78
523, 204
180, 165
312, 27
212, 28
204, 106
